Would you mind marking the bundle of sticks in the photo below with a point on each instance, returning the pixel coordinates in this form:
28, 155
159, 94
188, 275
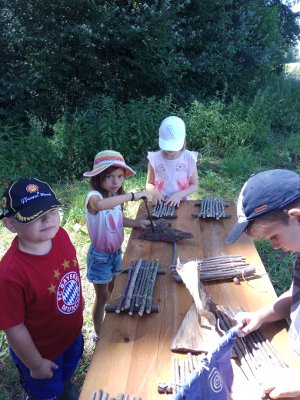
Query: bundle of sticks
103, 395
212, 207
163, 210
137, 294
220, 268
180, 370
253, 351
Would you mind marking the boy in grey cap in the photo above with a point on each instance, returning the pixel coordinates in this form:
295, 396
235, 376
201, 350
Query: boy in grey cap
269, 207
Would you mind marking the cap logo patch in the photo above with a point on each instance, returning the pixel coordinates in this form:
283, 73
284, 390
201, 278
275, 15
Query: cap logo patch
31, 188
4, 202
261, 209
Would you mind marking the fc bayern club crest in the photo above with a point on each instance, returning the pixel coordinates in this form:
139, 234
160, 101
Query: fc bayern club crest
68, 293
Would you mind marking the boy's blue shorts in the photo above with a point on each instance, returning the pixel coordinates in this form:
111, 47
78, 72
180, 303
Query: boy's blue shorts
51, 389
102, 267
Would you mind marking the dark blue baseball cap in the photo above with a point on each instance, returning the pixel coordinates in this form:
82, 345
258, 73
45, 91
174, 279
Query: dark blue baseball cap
264, 192
28, 199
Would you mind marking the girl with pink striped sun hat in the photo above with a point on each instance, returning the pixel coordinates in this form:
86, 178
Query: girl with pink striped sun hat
109, 158
106, 222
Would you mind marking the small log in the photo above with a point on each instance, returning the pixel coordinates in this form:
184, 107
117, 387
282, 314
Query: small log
136, 288
140, 292
144, 299
105, 395
151, 287
132, 284
109, 309
175, 374
164, 388
99, 395
125, 288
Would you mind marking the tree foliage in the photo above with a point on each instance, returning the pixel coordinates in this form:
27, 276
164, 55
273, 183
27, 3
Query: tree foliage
57, 55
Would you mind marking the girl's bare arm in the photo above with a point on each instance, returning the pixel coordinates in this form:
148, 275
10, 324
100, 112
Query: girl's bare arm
97, 204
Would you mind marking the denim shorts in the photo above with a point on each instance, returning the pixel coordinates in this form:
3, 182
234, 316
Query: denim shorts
102, 267
51, 389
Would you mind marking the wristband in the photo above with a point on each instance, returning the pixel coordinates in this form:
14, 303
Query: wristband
132, 196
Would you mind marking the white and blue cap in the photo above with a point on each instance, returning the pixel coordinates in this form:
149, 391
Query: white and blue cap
172, 134
264, 192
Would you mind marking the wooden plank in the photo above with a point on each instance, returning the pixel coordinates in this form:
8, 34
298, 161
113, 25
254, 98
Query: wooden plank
134, 355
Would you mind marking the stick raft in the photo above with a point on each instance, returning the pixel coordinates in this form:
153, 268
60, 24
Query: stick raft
253, 351
220, 268
180, 370
163, 210
137, 293
103, 395
212, 207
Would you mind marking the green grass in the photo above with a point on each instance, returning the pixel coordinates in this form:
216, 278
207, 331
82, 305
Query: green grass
216, 177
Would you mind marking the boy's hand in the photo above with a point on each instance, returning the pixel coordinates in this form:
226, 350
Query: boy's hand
280, 382
250, 320
44, 371
157, 198
174, 200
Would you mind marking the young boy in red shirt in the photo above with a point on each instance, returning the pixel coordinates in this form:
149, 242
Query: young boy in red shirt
40, 292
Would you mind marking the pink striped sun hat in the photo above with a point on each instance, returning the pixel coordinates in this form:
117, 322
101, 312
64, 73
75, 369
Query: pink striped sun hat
109, 158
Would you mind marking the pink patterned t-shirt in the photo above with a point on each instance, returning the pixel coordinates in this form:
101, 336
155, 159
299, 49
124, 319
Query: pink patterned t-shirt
106, 227
172, 176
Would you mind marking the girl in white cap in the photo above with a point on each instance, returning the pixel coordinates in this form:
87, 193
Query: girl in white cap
172, 172
105, 221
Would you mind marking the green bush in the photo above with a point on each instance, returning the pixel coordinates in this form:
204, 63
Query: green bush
26, 152
130, 128
247, 134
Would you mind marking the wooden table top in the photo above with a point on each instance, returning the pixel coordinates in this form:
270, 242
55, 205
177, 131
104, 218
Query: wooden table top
134, 354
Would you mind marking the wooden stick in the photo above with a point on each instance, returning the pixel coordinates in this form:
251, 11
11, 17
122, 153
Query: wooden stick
135, 290
123, 294
99, 395
132, 283
244, 358
139, 295
105, 395
148, 212
190, 362
151, 287
144, 299
268, 347
176, 374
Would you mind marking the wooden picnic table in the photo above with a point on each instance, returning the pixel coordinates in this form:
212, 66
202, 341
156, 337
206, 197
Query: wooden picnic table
133, 354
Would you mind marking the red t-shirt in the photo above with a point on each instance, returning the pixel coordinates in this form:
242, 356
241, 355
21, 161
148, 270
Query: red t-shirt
44, 293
